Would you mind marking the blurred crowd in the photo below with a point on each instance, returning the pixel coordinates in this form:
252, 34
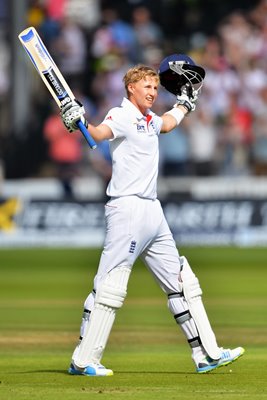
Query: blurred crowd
226, 135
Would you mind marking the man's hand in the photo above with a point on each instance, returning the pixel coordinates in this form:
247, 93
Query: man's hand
187, 98
72, 113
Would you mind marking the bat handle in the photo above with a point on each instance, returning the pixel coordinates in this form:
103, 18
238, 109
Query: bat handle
87, 135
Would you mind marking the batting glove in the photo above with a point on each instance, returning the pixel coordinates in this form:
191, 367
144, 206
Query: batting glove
187, 98
72, 113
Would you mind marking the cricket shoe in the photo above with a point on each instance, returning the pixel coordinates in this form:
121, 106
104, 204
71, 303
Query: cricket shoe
227, 357
90, 370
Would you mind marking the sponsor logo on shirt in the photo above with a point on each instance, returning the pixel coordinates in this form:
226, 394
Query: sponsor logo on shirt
140, 128
145, 125
140, 125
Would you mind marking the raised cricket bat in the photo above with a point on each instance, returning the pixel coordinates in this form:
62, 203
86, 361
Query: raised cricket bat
50, 74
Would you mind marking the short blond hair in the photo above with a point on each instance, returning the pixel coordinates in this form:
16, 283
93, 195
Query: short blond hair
138, 72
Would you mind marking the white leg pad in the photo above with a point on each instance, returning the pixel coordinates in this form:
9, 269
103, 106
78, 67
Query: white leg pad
109, 297
192, 294
88, 307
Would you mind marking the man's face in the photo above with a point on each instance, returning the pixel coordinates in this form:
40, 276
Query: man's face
143, 93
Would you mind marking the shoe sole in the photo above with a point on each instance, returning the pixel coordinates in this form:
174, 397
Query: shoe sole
80, 373
222, 364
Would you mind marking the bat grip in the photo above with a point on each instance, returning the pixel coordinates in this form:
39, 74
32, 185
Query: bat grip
87, 135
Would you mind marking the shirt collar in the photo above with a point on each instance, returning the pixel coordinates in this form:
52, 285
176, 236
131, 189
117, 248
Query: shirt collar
132, 108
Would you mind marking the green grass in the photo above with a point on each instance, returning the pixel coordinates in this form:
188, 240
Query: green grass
41, 298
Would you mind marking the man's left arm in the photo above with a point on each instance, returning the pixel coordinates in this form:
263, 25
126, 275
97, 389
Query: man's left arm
185, 103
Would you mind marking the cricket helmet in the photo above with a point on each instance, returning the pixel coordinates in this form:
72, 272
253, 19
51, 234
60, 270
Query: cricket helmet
177, 70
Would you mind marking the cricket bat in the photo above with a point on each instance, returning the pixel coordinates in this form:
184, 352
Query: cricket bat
50, 74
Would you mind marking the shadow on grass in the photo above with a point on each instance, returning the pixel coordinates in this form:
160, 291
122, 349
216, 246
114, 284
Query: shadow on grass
44, 371
56, 371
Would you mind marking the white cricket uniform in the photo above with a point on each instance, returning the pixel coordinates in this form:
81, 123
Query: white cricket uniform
135, 224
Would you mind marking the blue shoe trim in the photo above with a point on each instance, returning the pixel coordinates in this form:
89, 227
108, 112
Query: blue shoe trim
89, 371
74, 371
225, 360
207, 368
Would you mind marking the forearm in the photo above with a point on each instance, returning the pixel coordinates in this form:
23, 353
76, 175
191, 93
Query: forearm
172, 118
100, 132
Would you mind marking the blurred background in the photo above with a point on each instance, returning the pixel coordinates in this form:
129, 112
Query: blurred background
216, 155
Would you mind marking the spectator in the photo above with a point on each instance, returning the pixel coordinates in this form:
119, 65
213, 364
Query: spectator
4, 82
148, 33
259, 146
71, 49
237, 138
203, 139
234, 54
106, 86
65, 152
237, 37
113, 36
220, 81
174, 153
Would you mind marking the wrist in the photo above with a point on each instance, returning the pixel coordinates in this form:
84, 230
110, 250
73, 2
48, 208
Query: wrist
185, 104
183, 108
177, 113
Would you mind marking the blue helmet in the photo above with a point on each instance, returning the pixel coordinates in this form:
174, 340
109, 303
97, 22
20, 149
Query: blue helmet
177, 70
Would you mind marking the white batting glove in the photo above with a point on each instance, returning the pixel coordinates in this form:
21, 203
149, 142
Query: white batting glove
187, 98
72, 113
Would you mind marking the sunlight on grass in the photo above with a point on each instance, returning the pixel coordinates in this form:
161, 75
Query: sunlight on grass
41, 299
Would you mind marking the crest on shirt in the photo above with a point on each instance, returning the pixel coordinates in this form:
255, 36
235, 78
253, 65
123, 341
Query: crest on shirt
109, 117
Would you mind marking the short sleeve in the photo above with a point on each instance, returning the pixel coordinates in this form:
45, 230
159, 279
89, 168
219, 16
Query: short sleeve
157, 121
113, 120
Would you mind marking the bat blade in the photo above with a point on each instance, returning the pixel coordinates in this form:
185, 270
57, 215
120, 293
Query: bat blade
50, 74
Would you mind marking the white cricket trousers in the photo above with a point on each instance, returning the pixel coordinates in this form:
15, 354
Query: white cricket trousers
137, 227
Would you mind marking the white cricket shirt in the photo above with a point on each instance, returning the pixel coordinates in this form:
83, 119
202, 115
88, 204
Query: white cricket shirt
134, 151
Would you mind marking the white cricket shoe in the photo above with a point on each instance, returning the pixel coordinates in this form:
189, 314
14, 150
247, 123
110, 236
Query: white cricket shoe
227, 357
90, 370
